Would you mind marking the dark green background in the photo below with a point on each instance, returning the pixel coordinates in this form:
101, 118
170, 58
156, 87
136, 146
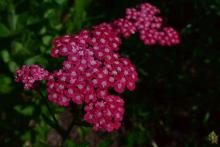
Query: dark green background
176, 102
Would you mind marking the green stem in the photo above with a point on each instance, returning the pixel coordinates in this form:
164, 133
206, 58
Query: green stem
60, 130
48, 107
54, 124
67, 133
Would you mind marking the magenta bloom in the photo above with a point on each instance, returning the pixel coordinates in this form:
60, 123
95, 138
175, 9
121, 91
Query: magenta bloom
93, 65
145, 20
105, 114
30, 75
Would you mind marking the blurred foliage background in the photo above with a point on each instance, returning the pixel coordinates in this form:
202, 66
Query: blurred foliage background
176, 102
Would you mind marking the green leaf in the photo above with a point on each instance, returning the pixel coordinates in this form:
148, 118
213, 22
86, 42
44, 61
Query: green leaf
47, 39
12, 66
53, 17
4, 31
60, 2
43, 30
70, 143
33, 20
26, 136
27, 111
36, 60
49, 13
5, 56
5, 86
77, 15
18, 48
206, 118
13, 20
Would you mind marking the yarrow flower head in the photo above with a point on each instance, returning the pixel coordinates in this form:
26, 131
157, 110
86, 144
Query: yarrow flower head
144, 20
105, 114
93, 65
30, 75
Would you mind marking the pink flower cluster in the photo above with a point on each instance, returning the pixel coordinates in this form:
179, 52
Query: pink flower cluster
93, 66
107, 113
30, 75
143, 19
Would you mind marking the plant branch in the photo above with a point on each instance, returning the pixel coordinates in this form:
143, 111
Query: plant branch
54, 124
48, 107
60, 130
67, 133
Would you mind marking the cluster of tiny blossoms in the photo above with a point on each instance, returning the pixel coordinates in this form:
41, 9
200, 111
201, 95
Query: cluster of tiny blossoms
144, 20
93, 66
30, 75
